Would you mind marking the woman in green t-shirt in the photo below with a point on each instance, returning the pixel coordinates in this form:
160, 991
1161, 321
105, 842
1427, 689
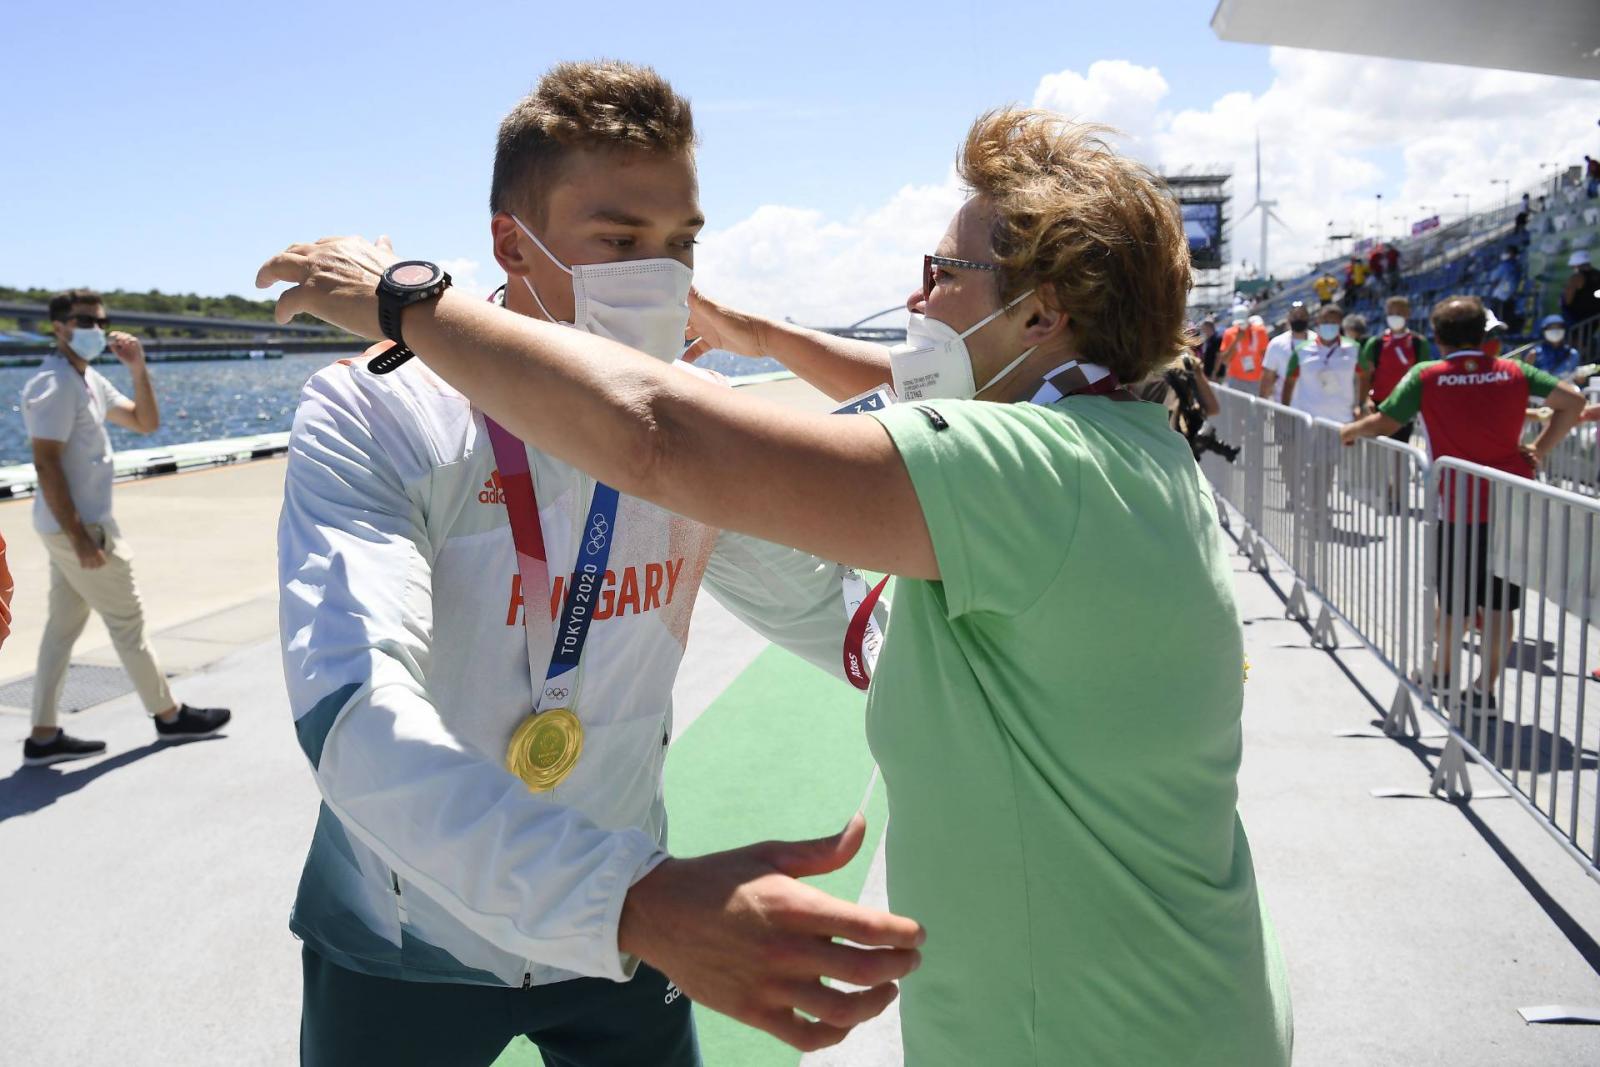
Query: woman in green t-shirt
1057, 704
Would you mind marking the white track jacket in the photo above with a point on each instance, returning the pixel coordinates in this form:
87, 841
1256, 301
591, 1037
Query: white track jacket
407, 668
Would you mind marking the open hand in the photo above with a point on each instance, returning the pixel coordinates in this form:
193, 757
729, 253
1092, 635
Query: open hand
334, 279
739, 934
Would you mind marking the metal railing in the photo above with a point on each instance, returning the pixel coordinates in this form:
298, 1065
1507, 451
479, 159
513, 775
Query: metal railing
1402, 552
1511, 581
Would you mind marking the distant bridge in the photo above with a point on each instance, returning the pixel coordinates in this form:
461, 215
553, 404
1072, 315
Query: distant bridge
33, 317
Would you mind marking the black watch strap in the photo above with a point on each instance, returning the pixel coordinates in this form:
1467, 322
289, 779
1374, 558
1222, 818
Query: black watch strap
389, 359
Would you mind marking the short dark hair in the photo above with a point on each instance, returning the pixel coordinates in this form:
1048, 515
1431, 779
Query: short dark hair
62, 303
599, 104
1459, 321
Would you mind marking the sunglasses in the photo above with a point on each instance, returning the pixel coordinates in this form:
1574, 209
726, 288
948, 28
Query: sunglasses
86, 321
930, 262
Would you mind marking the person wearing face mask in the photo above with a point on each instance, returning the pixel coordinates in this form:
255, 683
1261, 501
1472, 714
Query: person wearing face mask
1552, 354
1387, 358
1244, 346
1321, 377
1060, 748
1281, 349
65, 407
480, 643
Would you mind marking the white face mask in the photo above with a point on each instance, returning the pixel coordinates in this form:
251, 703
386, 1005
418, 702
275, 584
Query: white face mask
933, 363
1328, 331
642, 303
1555, 335
1396, 322
87, 342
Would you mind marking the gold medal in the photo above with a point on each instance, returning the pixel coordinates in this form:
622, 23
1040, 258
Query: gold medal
545, 748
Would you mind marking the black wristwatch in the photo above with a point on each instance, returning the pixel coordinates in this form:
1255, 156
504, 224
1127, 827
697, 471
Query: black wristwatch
407, 282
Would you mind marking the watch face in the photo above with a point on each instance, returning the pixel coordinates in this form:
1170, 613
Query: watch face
412, 275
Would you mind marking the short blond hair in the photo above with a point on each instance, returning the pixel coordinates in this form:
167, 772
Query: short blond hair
1096, 234
600, 104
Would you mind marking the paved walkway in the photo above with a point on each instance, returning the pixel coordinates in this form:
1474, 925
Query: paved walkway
143, 895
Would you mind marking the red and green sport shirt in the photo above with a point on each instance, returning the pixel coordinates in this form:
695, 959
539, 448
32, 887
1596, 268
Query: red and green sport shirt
1473, 408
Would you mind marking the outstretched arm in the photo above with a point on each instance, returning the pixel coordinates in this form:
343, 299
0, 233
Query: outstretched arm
842, 367
831, 485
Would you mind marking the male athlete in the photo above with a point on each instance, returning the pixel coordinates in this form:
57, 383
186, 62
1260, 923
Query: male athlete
479, 871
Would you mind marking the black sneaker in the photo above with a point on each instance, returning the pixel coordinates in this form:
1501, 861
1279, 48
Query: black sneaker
193, 722
64, 747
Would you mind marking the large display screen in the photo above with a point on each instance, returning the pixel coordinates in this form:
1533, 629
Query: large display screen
1202, 224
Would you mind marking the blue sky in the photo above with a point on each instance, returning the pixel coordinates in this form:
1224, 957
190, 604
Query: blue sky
208, 135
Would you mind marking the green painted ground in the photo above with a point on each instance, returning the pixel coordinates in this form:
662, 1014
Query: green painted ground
781, 754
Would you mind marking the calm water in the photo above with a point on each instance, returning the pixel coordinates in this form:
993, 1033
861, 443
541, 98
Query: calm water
226, 398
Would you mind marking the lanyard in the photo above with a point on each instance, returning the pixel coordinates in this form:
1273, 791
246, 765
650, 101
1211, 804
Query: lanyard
863, 639
594, 551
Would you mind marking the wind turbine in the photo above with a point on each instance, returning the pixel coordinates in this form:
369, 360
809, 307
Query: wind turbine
1265, 207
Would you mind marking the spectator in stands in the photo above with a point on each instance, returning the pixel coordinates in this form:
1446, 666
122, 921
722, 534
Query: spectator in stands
1519, 225
1375, 264
1244, 345
1326, 286
65, 408
1355, 277
1282, 348
1388, 358
1591, 174
1527, 204
1321, 376
1473, 408
1356, 328
1503, 282
1580, 297
1391, 259
1210, 345
1553, 355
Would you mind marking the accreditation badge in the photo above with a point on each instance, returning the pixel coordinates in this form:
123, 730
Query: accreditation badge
545, 748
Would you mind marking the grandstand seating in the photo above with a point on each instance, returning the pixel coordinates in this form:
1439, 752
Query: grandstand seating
1462, 257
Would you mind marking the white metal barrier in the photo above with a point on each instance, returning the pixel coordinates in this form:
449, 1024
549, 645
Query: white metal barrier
1403, 552
1512, 582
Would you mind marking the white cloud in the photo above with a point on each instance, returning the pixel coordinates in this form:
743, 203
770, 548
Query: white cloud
1335, 129
1114, 92
464, 275
796, 263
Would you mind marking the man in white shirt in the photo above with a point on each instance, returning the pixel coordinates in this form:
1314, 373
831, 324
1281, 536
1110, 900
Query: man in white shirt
1282, 347
1320, 378
65, 407
432, 567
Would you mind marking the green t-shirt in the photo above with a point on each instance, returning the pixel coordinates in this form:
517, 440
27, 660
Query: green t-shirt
1058, 722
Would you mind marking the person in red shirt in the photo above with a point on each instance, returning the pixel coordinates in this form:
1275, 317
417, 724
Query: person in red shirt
1385, 359
1391, 260
1375, 263
1473, 407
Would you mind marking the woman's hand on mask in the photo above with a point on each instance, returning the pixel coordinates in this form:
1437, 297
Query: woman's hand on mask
334, 279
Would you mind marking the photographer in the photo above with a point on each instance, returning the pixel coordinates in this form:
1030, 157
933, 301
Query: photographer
1186, 394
